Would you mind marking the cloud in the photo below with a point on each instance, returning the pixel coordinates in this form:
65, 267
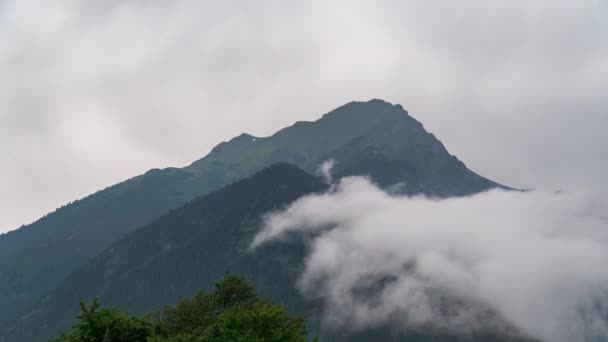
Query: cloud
535, 261
95, 92
325, 170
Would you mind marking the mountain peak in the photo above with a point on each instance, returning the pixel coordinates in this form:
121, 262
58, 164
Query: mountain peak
368, 114
374, 106
378, 104
373, 138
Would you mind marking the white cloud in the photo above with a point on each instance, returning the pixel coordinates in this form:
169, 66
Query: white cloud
325, 170
536, 259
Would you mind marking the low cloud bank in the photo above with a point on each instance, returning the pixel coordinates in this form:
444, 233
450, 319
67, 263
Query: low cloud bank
536, 260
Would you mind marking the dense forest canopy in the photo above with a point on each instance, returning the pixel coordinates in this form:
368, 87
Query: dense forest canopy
231, 312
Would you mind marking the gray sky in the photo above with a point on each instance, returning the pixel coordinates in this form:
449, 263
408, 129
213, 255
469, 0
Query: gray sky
95, 92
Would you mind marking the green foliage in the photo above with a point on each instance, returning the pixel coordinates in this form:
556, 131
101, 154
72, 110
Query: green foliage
257, 323
192, 316
108, 325
231, 292
232, 312
189, 316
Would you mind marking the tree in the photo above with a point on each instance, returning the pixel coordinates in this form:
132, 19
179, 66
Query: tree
193, 316
257, 323
108, 324
232, 312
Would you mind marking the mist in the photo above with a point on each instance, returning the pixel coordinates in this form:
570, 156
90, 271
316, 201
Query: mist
529, 261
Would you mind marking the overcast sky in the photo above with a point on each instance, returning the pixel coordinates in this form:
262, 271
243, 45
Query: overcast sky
93, 92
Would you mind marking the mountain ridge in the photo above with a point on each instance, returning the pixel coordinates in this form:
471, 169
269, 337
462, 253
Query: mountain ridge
192, 246
374, 138
214, 221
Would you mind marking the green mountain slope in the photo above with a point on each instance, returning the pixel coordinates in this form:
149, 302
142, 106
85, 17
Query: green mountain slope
192, 247
375, 138
183, 251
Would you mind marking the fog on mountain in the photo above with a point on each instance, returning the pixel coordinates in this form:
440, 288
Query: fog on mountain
528, 263
144, 243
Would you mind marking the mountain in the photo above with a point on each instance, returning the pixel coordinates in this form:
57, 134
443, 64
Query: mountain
194, 246
374, 138
178, 254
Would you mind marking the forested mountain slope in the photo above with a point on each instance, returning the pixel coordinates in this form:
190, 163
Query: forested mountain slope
374, 138
192, 247
186, 250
